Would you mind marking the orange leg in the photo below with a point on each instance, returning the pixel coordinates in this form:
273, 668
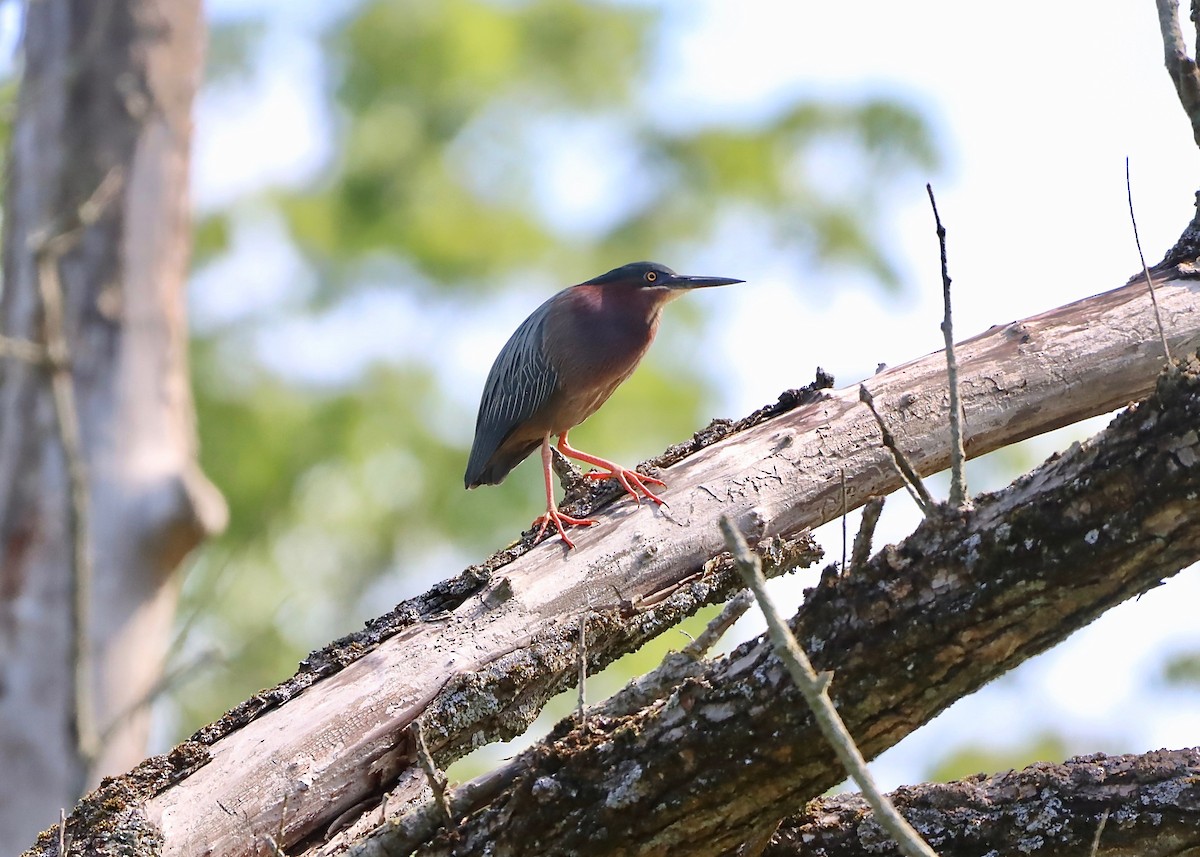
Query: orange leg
630, 480
552, 513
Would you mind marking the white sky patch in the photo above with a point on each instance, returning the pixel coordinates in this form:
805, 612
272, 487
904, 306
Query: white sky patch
10, 34
588, 176
262, 271
270, 133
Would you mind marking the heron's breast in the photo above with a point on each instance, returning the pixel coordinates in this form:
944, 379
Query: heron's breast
594, 349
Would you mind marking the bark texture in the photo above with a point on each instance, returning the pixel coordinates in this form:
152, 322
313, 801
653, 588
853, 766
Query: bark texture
1130, 806
96, 211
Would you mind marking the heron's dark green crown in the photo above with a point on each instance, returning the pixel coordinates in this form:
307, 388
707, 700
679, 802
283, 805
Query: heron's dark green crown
635, 273
655, 276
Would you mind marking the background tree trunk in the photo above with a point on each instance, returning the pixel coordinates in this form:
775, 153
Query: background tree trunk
96, 214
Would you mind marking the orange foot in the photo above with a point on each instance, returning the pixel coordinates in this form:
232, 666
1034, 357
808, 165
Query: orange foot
559, 520
631, 481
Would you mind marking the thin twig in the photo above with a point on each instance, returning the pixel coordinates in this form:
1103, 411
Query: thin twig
958, 456
78, 520
734, 609
1099, 832
912, 481
815, 694
62, 832
866, 532
274, 841
845, 536
1162, 333
437, 780
582, 704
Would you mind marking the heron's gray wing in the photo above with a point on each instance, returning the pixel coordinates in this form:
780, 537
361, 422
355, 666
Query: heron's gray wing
520, 383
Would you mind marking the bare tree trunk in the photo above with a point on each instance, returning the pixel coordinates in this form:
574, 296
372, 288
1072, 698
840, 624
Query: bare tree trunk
96, 243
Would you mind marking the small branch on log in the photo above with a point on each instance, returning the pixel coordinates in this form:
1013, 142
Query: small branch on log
1099, 832
1162, 333
958, 458
437, 779
872, 509
582, 701
815, 692
733, 610
845, 512
912, 481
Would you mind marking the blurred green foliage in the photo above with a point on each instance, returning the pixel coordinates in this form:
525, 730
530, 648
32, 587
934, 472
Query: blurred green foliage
346, 496
973, 759
8, 111
1182, 670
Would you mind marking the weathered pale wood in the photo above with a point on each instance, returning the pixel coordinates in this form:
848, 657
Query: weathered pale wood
99, 167
297, 767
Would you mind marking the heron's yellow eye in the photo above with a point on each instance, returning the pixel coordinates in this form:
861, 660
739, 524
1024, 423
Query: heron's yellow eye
651, 276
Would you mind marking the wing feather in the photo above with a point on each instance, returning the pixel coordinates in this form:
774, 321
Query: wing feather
520, 383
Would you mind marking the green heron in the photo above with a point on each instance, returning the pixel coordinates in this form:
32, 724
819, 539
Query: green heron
560, 366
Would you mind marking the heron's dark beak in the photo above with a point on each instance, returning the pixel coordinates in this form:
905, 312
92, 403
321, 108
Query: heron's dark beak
681, 281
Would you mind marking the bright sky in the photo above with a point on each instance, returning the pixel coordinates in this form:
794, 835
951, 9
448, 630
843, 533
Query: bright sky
1036, 105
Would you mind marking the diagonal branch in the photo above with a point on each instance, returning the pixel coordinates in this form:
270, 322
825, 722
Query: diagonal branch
958, 458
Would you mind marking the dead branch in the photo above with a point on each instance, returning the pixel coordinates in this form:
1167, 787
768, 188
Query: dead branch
958, 477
